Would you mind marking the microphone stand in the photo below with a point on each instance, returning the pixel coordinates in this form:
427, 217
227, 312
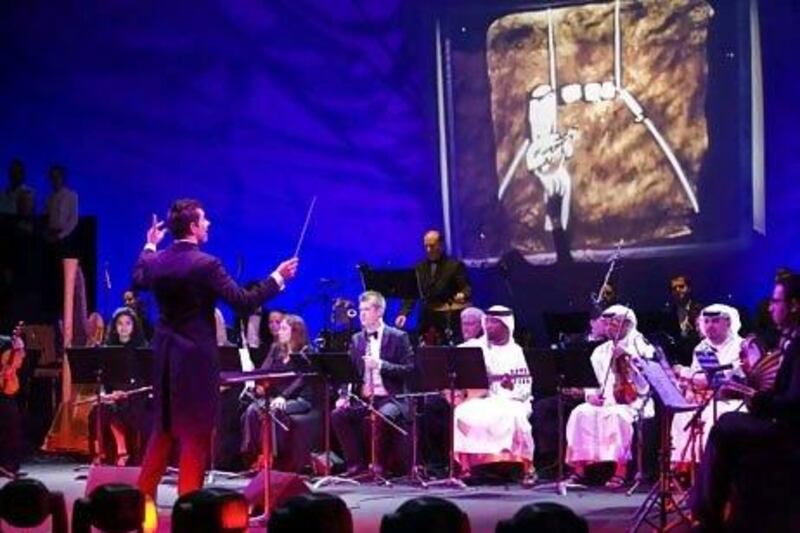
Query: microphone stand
327, 478
451, 480
372, 474
639, 477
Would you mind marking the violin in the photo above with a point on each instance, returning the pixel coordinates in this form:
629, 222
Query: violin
624, 389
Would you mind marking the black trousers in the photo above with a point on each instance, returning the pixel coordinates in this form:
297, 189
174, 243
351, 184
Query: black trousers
753, 464
292, 446
350, 422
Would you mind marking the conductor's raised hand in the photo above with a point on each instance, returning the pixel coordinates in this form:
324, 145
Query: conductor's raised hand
288, 268
156, 232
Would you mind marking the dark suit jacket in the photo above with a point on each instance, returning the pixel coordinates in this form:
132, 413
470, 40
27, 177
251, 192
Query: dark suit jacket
450, 278
187, 283
396, 354
783, 401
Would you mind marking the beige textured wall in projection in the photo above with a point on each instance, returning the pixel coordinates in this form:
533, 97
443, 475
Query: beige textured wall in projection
623, 186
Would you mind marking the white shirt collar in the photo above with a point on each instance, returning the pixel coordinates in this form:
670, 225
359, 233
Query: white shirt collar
379, 329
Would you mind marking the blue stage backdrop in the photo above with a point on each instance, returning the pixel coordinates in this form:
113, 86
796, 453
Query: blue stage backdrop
256, 107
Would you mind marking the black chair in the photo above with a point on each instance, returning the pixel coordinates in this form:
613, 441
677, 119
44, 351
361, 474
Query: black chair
26, 503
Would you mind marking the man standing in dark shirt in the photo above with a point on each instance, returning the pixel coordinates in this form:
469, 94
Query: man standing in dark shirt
187, 283
445, 292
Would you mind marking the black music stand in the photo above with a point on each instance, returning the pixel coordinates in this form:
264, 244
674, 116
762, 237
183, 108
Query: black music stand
335, 369
108, 368
556, 371
229, 361
560, 325
400, 283
450, 368
660, 498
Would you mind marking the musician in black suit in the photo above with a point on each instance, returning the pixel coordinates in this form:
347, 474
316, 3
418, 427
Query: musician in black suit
384, 360
751, 458
187, 283
445, 292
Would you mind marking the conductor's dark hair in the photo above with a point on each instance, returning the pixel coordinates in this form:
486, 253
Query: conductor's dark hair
181, 215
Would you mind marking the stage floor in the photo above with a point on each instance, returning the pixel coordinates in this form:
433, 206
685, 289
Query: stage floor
606, 511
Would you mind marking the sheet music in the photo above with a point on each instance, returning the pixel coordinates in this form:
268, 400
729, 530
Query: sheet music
665, 387
244, 357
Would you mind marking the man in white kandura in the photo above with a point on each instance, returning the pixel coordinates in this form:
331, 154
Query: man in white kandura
601, 429
495, 427
719, 324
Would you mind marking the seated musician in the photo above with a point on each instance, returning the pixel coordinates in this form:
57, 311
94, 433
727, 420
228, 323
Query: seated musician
601, 429
123, 417
544, 418
472, 320
719, 325
472, 327
384, 360
290, 400
436, 416
12, 355
495, 427
750, 460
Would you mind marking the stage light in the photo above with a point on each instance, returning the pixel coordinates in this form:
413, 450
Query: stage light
26, 503
110, 507
212, 509
150, 523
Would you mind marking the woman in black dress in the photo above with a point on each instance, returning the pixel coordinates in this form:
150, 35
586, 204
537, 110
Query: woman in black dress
290, 400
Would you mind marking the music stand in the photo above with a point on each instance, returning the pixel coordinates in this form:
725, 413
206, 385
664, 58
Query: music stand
556, 371
558, 325
229, 361
448, 368
144, 362
400, 283
109, 367
671, 401
334, 368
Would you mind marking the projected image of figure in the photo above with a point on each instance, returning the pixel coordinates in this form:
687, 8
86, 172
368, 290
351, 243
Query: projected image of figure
630, 79
547, 156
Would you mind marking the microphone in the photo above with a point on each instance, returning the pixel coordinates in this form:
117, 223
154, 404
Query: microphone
320, 342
